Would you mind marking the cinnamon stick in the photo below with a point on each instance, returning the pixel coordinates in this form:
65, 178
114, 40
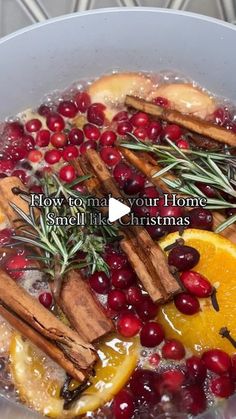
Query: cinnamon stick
48, 347
15, 298
191, 123
7, 186
83, 310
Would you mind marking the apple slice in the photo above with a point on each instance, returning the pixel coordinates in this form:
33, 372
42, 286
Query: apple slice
186, 98
111, 90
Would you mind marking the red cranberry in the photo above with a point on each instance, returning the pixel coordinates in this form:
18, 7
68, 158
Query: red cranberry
146, 308
44, 110
129, 325
123, 405
222, 386
154, 130
155, 359
6, 166
208, 190
95, 114
161, 101
116, 260
36, 189
46, 299
91, 132
122, 172
134, 295
124, 127
59, 139
196, 369
221, 116
83, 101
183, 144
52, 156
14, 130
183, 257
55, 122
21, 175
150, 192
108, 138
76, 136
67, 108
140, 133
15, 265
156, 232
28, 142
116, 300
17, 152
171, 211
110, 155
230, 211
87, 145
43, 138
122, 278
173, 349
170, 381
194, 399
67, 173
201, 218
100, 282
151, 335
196, 284
69, 153
142, 385
5, 236
134, 185
80, 188
217, 361
173, 132
33, 125
187, 304
121, 116
35, 156
139, 119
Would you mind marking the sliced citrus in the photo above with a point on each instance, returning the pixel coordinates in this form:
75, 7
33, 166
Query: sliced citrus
218, 264
38, 379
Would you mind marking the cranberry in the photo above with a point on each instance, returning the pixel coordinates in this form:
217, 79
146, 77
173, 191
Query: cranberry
35, 156
21, 175
121, 116
116, 300
76, 136
222, 386
154, 130
134, 295
91, 132
208, 190
173, 349
146, 308
28, 142
15, 266
139, 119
67, 173
14, 130
170, 381
95, 114
55, 122
171, 211
186, 303
123, 405
156, 232
110, 155
43, 138
67, 108
140, 133
124, 127
155, 359
36, 189
152, 334
108, 138
217, 361
196, 369
6, 166
201, 218
5, 236
44, 110
83, 101
33, 125
221, 116
150, 192
183, 144
69, 153
100, 282
128, 325
173, 132
142, 385
122, 278
52, 156
116, 260
87, 145
134, 185
59, 139
183, 257
161, 101
122, 172
46, 299
230, 211
194, 399
196, 284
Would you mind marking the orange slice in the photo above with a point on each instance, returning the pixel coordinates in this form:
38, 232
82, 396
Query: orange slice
218, 264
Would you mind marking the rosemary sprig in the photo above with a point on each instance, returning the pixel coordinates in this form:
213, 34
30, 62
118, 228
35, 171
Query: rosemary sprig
59, 245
